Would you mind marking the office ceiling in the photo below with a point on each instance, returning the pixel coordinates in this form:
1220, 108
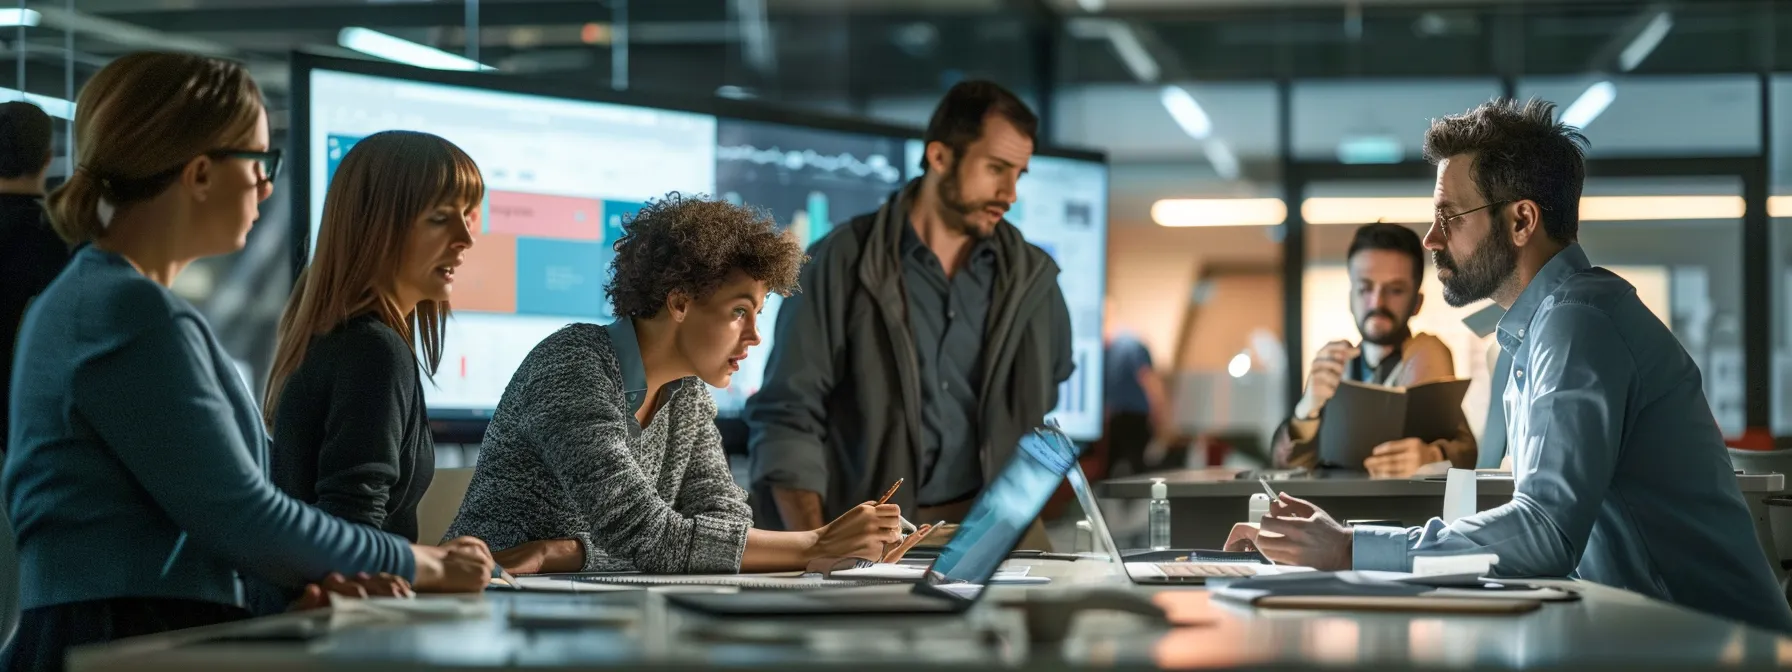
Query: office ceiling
844, 54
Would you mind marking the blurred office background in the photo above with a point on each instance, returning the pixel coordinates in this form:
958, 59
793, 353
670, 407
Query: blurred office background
1246, 137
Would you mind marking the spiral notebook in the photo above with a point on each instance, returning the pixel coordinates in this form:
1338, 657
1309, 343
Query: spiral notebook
613, 580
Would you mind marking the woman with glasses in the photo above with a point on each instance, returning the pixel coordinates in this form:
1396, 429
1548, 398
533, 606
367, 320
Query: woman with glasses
136, 477
345, 399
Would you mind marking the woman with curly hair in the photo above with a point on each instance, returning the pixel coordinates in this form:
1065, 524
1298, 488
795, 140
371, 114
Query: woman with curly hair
603, 454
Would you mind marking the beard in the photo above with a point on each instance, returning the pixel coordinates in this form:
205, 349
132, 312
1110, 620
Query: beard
1488, 267
960, 211
1393, 336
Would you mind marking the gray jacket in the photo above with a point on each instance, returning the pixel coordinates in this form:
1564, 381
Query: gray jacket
840, 411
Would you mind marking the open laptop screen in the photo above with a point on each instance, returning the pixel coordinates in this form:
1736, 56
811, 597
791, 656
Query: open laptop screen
1005, 509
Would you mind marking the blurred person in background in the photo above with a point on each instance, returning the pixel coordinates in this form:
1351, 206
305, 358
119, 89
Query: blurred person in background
31, 254
929, 336
1137, 405
1386, 267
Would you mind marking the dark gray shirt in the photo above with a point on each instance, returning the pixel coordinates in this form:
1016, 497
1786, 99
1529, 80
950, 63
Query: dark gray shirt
947, 318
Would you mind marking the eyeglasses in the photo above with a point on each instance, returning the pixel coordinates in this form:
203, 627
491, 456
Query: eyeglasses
1442, 221
267, 163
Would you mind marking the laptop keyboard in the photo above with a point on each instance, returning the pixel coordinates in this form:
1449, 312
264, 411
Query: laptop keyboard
1207, 570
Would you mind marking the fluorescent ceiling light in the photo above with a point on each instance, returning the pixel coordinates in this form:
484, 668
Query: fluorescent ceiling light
1132, 52
55, 107
1324, 210
375, 43
1181, 212
1590, 104
1779, 206
1187, 113
1092, 6
1418, 210
1637, 208
1224, 162
1645, 42
15, 17
1371, 149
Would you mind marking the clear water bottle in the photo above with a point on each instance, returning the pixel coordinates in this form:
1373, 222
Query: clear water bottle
1159, 515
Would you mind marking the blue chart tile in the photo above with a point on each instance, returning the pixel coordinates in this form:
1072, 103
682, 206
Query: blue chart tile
562, 277
615, 213
336, 146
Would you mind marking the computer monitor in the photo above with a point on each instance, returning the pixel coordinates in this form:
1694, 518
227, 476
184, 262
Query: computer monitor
1062, 207
561, 175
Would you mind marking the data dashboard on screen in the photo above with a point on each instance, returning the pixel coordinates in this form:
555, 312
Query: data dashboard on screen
562, 175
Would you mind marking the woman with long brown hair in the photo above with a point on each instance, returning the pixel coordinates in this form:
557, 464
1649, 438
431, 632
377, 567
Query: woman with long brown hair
345, 399
136, 477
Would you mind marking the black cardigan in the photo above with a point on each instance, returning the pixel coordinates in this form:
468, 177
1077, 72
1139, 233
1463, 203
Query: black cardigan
351, 434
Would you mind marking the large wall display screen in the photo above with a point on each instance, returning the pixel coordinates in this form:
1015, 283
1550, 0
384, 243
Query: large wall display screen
563, 174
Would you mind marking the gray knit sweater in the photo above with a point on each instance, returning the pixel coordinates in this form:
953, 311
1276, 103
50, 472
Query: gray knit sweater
564, 458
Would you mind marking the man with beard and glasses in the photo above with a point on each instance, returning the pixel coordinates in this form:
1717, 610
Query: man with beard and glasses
1621, 475
927, 338
1387, 266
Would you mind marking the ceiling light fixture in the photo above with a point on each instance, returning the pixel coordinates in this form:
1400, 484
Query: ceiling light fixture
1187, 212
15, 17
1645, 41
1132, 52
1220, 155
1187, 113
1322, 210
1590, 104
375, 43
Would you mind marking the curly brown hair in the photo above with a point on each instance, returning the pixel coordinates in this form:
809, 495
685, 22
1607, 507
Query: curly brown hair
690, 244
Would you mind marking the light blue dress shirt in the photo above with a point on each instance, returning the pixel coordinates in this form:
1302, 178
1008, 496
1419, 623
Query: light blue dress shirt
1620, 470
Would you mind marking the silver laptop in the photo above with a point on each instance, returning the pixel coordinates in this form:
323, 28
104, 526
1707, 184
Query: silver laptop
1159, 567
955, 579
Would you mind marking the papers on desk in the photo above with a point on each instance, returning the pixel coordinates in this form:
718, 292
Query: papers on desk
561, 584
348, 611
608, 581
1387, 591
894, 572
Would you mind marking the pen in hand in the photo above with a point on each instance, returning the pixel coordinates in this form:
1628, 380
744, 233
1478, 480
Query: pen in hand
907, 527
887, 493
1269, 490
1273, 498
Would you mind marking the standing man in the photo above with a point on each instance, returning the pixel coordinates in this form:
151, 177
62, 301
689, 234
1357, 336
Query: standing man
31, 254
1621, 473
928, 337
1387, 265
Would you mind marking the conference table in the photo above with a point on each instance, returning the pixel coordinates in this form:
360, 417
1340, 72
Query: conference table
1012, 627
1206, 502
